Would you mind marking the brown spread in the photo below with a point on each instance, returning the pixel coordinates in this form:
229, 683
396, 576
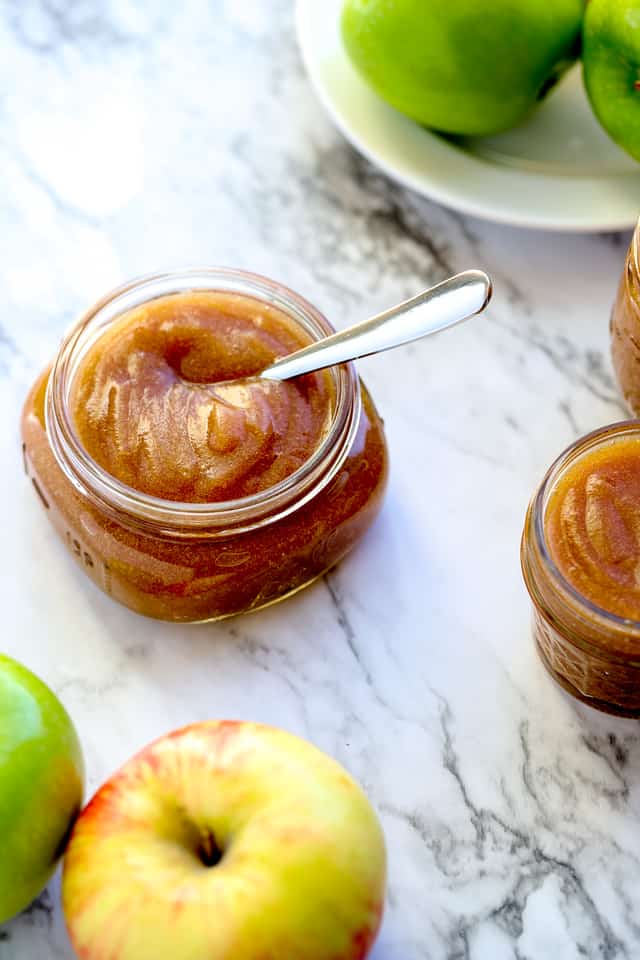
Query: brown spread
152, 405
592, 526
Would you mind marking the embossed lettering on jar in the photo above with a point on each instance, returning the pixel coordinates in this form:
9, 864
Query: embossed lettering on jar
182, 496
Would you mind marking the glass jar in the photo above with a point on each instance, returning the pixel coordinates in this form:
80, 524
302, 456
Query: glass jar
204, 561
625, 327
593, 654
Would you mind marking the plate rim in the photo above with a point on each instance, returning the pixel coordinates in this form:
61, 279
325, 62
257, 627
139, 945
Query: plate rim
434, 190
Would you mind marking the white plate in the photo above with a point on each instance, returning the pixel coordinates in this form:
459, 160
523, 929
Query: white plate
559, 171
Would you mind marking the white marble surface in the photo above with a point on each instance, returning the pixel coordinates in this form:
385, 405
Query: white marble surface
141, 135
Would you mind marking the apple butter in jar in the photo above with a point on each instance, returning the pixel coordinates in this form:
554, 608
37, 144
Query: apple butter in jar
581, 565
625, 328
184, 486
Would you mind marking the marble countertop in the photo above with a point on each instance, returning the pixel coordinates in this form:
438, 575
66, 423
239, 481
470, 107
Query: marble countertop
141, 135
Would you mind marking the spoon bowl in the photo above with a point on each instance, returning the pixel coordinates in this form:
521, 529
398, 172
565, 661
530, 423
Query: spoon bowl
438, 308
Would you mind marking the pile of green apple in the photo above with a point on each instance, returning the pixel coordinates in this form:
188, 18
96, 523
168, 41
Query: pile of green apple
223, 840
470, 68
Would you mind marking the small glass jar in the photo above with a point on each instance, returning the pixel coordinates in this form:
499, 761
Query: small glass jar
625, 327
593, 654
193, 562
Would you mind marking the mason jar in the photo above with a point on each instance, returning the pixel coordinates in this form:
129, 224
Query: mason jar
625, 327
191, 562
593, 653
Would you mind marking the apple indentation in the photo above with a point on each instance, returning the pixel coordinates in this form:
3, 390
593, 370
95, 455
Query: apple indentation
208, 851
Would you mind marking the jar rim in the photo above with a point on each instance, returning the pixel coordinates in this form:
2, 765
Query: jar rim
180, 517
586, 608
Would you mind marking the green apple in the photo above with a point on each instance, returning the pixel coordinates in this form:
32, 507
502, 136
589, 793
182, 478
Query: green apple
41, 779
226, 841
462, 66
611, 58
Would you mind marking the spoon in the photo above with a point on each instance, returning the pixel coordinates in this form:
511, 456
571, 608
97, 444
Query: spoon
435, 309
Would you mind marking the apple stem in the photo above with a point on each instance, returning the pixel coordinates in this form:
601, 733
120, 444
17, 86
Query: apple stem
208, 851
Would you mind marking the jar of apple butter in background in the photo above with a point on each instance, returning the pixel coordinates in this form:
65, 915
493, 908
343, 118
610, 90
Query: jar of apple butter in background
183, 495
625, 327
581, 564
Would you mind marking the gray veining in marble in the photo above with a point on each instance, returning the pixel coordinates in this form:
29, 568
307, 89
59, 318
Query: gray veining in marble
141, 135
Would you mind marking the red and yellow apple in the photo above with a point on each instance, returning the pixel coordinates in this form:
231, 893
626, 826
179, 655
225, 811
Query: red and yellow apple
40, 784
226, 841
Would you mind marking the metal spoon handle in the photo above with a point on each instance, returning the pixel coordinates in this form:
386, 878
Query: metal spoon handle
437, 308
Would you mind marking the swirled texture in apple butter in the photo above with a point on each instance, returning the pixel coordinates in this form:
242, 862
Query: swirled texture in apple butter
149, 406
592, 526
